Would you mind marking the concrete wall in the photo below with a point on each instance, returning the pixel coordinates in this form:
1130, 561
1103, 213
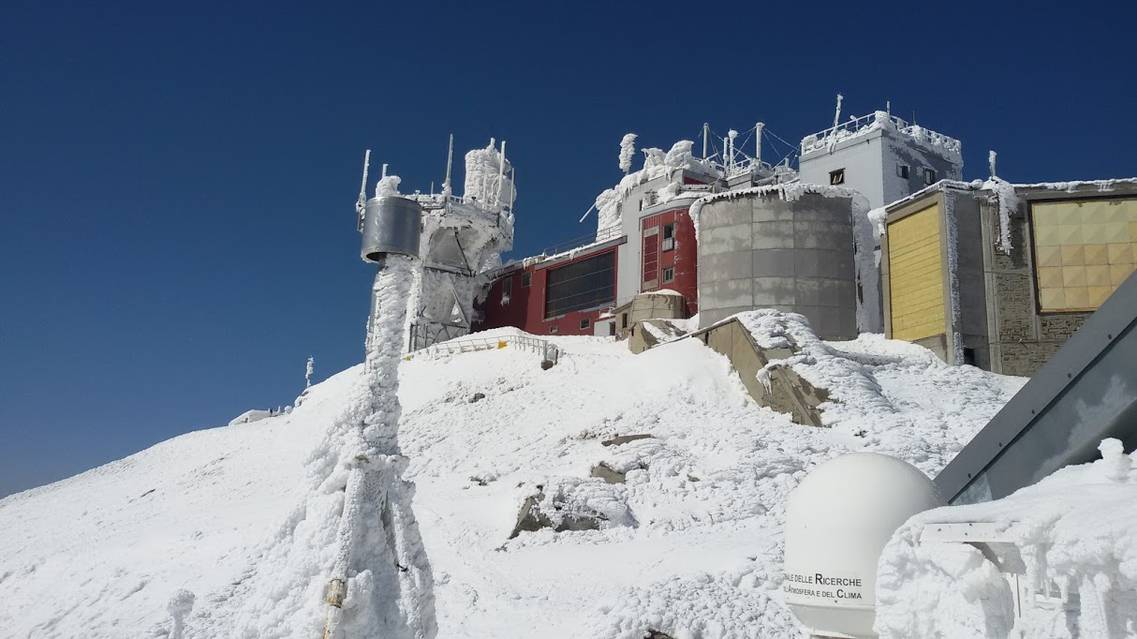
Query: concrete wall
870, 161
760, 251
972, 242
899, 149
647, 306
787, 392
862, 158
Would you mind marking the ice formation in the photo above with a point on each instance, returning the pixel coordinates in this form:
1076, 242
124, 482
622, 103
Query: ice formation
1074, 531
627, 151
657, 163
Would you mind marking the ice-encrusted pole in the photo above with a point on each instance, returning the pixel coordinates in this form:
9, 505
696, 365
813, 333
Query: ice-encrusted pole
387, 577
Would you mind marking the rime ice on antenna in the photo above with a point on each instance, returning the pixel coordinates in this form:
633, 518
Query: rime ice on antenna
376, 500
458, 238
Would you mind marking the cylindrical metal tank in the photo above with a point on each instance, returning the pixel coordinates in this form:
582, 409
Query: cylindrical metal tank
786, 247
391, 224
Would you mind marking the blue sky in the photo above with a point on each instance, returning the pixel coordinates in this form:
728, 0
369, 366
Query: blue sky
177, 180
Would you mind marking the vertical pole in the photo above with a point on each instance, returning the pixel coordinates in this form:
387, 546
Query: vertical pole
500, 174
446, 188
758, 142
836, 121
361, 205
706, 132
512, 185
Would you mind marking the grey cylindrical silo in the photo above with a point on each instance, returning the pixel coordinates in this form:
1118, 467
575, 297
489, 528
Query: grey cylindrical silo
760, 249
391, 224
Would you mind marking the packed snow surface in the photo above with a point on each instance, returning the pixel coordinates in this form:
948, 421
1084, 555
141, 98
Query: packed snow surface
189, 532
1074, 531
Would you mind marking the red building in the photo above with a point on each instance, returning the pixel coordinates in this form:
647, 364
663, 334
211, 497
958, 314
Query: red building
670, 254
568, 293
560, 295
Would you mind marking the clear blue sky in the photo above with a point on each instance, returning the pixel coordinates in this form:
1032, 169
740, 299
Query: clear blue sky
177, 179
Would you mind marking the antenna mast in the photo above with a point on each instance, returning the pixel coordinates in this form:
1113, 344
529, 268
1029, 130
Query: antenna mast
500, 174
706, 132
361, 204
446, 188
758, 143
836, 121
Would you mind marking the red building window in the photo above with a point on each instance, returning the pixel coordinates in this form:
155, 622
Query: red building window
651, 257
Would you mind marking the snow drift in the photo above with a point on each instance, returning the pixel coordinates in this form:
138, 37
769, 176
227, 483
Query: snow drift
679, 533
1075, 533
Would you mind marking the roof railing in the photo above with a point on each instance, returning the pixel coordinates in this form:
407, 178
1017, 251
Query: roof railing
855, 126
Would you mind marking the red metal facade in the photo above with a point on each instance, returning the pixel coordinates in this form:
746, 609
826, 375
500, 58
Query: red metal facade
679, 253
510, 302
518, 297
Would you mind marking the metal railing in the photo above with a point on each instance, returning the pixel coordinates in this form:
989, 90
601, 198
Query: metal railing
548, 351
853, 126
605, 235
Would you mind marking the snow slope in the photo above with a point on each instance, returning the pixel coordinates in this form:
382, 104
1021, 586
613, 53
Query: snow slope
690, 544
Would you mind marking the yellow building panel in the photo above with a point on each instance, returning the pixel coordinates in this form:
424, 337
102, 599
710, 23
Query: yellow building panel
916, 277
1083, 250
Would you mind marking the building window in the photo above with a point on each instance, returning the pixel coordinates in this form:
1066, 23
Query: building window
526, 278
903, 170
1083, 250
623, 320
611, 329
668, 237
668, 273
589, 283
641, 205
837, 177
929, 176
507, 287
584, 324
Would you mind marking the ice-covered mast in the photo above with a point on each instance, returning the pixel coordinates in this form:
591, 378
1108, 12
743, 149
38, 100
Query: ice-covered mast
376, 501
836, 121
447, 189
359, 205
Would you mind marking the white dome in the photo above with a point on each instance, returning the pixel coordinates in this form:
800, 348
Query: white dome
837, 522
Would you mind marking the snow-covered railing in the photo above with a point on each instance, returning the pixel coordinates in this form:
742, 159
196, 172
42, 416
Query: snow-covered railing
546, 349
603, 235
745, 167
858, 126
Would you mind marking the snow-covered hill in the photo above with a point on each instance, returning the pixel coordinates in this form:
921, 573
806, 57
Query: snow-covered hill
688, 544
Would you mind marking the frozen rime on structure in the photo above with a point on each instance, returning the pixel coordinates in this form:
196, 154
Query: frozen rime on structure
657, 163
380, 581
353, 541
627, 152
1008, 203
462, 238
1074, 533
387, 186
309, 370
